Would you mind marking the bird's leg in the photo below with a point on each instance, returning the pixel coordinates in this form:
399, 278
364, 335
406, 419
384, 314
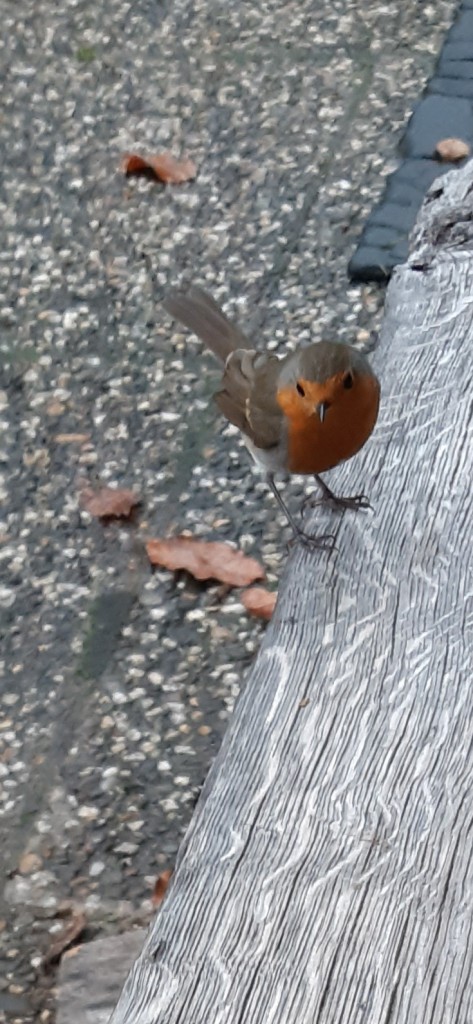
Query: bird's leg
326, 541
358, 501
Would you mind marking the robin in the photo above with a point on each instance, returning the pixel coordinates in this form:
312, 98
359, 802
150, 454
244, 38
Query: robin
303, 413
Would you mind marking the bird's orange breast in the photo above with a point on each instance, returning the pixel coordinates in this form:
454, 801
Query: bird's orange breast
315, 446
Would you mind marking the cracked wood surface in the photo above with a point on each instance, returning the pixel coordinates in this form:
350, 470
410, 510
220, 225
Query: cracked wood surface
327, 875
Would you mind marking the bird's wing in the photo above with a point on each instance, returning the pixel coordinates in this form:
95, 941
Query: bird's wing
248, 396
201, 314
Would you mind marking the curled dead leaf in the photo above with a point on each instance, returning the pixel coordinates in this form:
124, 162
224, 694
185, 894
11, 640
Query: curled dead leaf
452, 150
109, 502
71, 438
259, 601
162, 166
29, 863
67, 938
205, 560
161, 886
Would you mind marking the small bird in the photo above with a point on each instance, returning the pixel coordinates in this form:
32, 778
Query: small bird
301, 413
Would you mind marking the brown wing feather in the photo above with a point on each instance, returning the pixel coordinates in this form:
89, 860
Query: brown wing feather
233, 412
201, 314
248, 396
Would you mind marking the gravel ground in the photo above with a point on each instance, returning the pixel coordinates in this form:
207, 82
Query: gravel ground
117, 684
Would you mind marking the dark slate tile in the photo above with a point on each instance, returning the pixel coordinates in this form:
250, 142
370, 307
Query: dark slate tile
455, 69
462, 27
421, 173
400, 191
392, 215
446, 111
371, 264
375, 235
435, 118
400, 251
461, 50
457, 87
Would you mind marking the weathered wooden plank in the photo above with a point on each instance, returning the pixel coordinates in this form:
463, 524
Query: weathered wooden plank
327, 875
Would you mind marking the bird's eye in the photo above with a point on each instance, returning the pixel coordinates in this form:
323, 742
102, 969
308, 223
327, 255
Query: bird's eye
348, 380
300, 389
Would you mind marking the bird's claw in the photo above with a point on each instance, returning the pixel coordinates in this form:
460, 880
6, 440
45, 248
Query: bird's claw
323, 542
358, 502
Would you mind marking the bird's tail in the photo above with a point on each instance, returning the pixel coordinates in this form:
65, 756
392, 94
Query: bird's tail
201, 314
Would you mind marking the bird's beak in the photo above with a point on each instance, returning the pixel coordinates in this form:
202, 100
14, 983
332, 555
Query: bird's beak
321, 410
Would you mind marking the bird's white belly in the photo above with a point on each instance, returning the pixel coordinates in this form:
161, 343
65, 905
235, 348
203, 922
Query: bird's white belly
268, 460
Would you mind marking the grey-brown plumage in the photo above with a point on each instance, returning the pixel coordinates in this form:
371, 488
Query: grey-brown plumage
251, 379
280, 405
247, 396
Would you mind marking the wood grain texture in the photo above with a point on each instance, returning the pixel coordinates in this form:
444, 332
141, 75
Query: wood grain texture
327, 875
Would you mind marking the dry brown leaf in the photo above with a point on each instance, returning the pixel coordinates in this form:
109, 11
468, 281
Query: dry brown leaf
161, 886
259, 601
29, 863
205, 560
452, 150
67, 938
71, 438
55, 408
109, 502
162, 166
